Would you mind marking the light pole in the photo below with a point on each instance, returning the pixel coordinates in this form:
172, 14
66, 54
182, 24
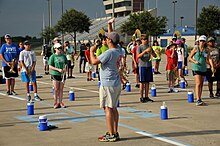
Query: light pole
113, 12
174, 11
196, 13
181, 20
62, 22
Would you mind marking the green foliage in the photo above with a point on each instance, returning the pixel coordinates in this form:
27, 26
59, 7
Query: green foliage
208, 20
146, 23
48, 33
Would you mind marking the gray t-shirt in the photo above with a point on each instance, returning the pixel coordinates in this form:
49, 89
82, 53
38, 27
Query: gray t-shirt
109, 75
214, 55
145, 60
28, 58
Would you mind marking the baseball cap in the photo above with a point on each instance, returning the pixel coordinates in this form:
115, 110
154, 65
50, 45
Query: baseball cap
26, 42
7, 36
57, 45
211, 39
56, 39
178, 42
114, 37
202, 38
138, 40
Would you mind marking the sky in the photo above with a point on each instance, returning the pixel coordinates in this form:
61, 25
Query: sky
25, 17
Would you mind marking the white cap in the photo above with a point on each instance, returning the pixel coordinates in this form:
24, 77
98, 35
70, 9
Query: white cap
202, 38
57, 45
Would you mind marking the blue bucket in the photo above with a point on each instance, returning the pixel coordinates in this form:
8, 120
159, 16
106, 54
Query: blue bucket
30, 108
31, 87
43, 126
163, 113
71, 96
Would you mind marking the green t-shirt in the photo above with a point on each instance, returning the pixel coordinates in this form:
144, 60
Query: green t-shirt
57, 61
157, 50
101, 50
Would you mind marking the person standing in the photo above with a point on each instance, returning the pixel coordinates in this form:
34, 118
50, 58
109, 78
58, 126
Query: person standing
157, 49
68, 49
82, 56
89, 67
198, 57
186, 54
57, 63
144, 53
110, 88
28, 74
46, 53
213, 67
9, 54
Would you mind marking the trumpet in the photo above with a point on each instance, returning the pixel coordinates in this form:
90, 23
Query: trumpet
12, 65
64, 73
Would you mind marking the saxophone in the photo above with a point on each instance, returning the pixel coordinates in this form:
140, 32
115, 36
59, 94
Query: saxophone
12, 65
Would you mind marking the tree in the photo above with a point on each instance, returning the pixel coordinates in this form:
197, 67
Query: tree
208, 20
73, 21
145, 22
48, 34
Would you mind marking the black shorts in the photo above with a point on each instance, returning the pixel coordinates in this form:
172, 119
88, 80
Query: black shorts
57, 78
198, 73
69, 64
7, 74
209, 75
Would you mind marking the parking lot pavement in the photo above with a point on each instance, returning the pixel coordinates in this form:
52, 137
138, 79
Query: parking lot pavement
82, 122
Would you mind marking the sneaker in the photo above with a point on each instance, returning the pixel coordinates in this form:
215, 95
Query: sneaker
170, 90
199, 102
28, 98
186, 84
117, 136
107, 138
37, 98
147, 99
8, 93
176, 86
175, 90
217, 94
124, 86
56, 105
211, 95
62, 105
142, 100
13, 93
137, 86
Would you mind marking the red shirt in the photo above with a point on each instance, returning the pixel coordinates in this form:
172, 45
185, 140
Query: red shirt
134, 52
87, 54
171, 62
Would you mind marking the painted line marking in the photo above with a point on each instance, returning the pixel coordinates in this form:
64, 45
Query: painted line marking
161, 138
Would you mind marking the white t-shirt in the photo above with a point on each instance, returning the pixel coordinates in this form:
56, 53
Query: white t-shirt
28, 58
180, 52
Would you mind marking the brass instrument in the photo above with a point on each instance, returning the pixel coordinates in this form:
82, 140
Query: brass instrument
101, 33
137, 34
177, 34
64, 73
12, 65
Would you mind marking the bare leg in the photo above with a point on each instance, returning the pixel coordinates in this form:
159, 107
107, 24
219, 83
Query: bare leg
61, 92
146, 89
109, 119
116, 118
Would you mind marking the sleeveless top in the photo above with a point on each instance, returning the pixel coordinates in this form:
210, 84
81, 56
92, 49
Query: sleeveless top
201, 58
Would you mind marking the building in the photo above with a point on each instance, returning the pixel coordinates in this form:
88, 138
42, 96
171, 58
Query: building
122, 7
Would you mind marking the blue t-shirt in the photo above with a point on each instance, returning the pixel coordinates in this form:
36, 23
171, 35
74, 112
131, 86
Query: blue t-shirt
9, 52
109, 75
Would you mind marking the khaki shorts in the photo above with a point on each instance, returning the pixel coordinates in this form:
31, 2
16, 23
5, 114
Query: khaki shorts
109, 96
171, 75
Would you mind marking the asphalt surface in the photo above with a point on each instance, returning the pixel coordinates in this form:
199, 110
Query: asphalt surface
82, 122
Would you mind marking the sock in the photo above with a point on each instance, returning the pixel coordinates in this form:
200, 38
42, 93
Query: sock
28, 94
35, 94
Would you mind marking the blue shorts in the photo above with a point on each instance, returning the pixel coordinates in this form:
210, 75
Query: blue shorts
25, 78
180, 65
145, 74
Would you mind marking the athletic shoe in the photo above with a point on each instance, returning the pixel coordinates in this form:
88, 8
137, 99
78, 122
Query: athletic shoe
147, 99
177, 85
142, 100
8, 93
62, 105
199, 102
211, 95
117, 136
169, 90
175, 90
107, 138
28, 98
56, 105
13, 93
124, 86
217, 94
37, 98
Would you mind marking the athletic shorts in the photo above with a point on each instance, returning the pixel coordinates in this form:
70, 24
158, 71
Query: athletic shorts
57, 78
69, 64
180, 65
89, 67
145, 74
109, 96
45, 61
9, 75
26, 78
198, 73
209, 75
171, 75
